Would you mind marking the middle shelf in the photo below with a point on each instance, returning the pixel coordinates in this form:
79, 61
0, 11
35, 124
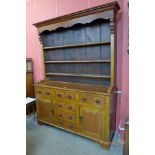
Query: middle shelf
77, 61
77, 45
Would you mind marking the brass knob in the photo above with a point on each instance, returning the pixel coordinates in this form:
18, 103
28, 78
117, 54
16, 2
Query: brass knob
60, 115
59, 105
84, 99
69, 97
98, 101
52, 111
39, 92
60, 123
70, 117
69, 107
59, 95
81, 118
47, 93
70, 126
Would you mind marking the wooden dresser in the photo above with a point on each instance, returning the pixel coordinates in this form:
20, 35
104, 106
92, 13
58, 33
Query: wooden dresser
77, 93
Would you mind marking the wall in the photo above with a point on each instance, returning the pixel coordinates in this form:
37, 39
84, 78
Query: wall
40, 10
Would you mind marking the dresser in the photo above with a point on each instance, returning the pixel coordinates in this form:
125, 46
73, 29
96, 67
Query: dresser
79, 61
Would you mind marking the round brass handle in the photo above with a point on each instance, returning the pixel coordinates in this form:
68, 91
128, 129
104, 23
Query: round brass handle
52, 111
47, 93
81, 118
60, 115
70, 126
84, 99
39, 92
60, 123
59, 95
59, 105
69, 107
98, 101
69, 97
70, 117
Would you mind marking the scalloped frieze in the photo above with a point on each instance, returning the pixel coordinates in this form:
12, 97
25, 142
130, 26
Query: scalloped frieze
81, 20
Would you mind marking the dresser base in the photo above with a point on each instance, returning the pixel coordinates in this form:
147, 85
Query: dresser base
105, 145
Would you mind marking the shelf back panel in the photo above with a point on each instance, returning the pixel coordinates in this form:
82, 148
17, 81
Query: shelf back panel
96, 81
95, 32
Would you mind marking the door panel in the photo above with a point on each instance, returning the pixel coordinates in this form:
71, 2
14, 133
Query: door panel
45, 111
90, 121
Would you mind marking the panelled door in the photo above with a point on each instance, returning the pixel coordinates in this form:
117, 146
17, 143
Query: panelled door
90, 121
45, 110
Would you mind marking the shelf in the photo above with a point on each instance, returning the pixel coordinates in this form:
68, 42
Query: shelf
77, 61
79, 75
77, 45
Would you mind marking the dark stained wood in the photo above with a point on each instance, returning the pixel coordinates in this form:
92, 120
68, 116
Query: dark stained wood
77, 45
29, 84
29, 78
30, 107
79, 61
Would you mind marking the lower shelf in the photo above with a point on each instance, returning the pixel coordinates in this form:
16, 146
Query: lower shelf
79, 75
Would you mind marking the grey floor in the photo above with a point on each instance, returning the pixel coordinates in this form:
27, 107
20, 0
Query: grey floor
47, 140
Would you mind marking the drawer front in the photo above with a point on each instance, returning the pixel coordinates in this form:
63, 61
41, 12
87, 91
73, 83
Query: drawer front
59, 105
66, 125
60, 115
38, 92
60, 123
83, 98
97, 100
65, 106
71, 126
70, 96
48, 93
59, 95
71, 117
42, 92
65, 116
70, 107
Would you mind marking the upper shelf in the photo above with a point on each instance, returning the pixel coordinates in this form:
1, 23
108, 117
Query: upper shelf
77, 45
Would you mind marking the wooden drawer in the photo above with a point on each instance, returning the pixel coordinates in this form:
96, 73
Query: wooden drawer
60, 123
59, 95
65, 106
70, 96
65, 116
42, 92
60, 115
70, 107
83, 98
38, 92
71, 126
48, 93
71, 117
97, 100
59, 105
66, 125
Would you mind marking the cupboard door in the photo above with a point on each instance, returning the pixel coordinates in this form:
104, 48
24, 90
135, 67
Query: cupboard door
45, 111
90, 121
